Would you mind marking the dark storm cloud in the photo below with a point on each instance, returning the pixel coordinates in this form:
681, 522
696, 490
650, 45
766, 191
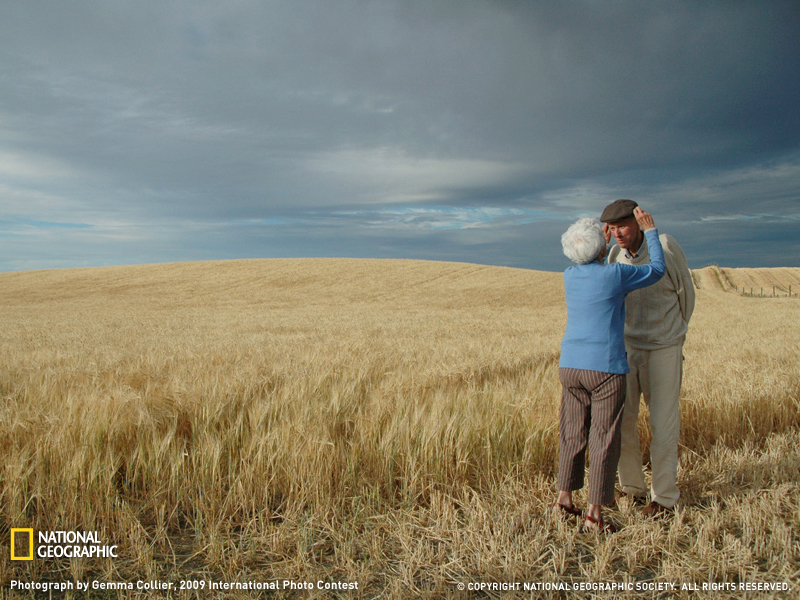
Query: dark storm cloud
156, 131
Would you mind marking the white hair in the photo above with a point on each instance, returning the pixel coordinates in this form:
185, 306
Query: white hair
584, 240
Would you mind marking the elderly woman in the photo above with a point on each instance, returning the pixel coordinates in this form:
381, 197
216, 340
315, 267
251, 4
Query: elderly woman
593, 364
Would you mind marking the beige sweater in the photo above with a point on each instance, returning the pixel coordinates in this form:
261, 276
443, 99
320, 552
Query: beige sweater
658, 316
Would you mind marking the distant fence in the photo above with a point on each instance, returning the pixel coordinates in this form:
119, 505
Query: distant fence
755, 292
749, 291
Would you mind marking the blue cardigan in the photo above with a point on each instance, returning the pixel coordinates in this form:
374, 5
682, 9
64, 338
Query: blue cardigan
595, 336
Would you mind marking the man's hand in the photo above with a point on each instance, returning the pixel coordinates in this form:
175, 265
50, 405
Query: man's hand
644, 219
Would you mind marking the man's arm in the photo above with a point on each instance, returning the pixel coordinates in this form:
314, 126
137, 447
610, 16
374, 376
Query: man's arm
681, 277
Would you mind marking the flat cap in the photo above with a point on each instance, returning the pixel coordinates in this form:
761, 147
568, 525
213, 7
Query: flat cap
618, 210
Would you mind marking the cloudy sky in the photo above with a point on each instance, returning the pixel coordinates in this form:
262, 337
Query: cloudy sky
465, 130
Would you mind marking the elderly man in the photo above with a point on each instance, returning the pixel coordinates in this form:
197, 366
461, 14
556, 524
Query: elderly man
656, 322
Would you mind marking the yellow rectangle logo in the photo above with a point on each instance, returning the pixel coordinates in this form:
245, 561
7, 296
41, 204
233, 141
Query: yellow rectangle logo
14, 554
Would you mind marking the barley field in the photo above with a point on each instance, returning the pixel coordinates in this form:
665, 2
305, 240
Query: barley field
390, 423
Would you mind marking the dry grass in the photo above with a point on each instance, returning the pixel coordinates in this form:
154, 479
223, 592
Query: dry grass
390, 422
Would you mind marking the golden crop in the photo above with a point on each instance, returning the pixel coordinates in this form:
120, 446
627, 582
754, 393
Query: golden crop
393, 423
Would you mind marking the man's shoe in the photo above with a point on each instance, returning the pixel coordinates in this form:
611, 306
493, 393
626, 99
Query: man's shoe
654, 510
636, 499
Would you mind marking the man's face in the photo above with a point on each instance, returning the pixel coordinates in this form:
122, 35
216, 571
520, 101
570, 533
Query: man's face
626, 233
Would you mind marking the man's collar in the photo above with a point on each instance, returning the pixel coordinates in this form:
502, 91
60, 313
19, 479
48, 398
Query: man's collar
639, 250
630, 254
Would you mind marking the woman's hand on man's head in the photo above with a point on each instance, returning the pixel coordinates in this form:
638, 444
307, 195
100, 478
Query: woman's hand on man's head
606, 233
644, 219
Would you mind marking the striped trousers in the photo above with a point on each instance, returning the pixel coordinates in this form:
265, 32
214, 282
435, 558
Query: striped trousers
591, 410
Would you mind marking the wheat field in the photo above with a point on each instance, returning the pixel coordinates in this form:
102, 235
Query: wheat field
390, 423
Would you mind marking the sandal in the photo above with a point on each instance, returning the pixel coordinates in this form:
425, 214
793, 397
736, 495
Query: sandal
567, 512
602, 526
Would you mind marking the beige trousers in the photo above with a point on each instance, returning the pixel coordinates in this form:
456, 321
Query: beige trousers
656, 375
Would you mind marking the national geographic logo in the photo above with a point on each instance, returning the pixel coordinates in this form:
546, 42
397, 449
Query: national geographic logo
21, 544
59, 544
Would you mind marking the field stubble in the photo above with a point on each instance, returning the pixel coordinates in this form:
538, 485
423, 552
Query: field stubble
393, 423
